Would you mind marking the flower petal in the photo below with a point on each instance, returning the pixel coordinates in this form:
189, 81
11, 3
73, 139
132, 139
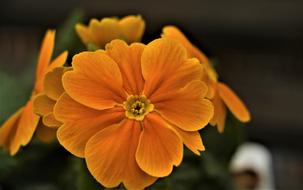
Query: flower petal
160, 147
45, 134
110, 156
81, 123
8, 133
84, 33
96, 81
186, 108
18, 129
27, 124
49, 120
45, 55
132, 28
128, 59
104, 31
66, 109
234, 103
53, 87
59, 61
42, 104
219, 113
173, 32
211, 85
192, 140
165, 67
209, 73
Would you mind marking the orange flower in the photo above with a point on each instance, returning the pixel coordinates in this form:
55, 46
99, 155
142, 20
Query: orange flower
128, 110
219, 93
99, 33
19, 128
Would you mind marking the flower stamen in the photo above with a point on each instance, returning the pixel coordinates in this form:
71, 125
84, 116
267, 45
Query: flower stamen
136, 107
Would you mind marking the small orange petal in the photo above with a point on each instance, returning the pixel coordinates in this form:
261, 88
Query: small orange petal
160, 148
110, 156
84, 33
42, 104
45, 134
234, 103
8, 133
192, 140
59, 61
45, 54
53, 87
128, 59
19, 129
173, 32
81, 123
186, 108
211, 85
96, 81
27, 124
219, 113
209, 74
49, 120
165, 67
132, 28
104, 31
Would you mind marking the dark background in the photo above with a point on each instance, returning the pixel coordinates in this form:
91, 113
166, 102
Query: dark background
256, 45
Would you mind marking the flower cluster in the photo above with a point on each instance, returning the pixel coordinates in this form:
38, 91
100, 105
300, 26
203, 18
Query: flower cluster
127, 108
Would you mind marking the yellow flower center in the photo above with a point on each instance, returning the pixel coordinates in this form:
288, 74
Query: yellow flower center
136, 107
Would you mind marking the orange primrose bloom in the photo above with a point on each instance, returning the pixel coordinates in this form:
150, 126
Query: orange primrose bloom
128, 110
20, 127
99, 33
220, 94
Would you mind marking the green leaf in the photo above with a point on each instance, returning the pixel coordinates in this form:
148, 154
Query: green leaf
67, 39
14, 92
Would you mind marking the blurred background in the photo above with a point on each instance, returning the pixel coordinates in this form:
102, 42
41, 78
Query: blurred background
257, 48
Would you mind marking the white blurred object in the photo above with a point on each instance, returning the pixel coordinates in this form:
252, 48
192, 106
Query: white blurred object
254, 157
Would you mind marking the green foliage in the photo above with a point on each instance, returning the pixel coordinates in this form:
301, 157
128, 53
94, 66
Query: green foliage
67, 38
14, 92
81, 176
